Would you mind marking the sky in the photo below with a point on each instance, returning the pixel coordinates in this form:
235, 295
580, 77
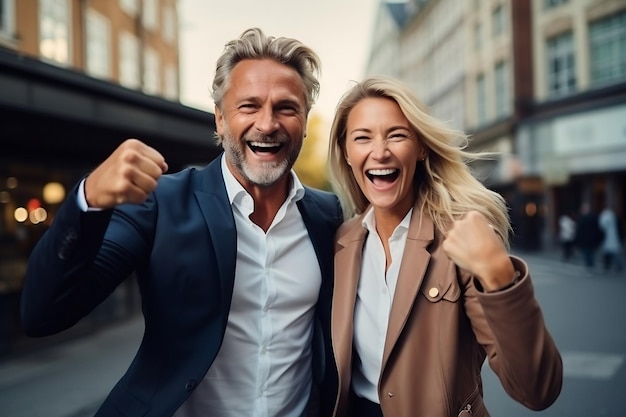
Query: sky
339, 31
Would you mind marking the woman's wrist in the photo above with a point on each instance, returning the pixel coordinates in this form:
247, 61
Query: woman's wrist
515, 280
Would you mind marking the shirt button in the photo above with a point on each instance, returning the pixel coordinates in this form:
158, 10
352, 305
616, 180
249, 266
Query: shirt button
433, 292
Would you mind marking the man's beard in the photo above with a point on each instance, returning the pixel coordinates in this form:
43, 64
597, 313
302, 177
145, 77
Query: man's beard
259, 173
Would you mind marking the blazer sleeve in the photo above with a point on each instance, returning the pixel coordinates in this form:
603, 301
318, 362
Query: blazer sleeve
510, 326
79, 261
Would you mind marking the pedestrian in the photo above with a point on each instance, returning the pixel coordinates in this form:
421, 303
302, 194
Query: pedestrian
588, 235
234, 261
425, 289
567, 235
611, 246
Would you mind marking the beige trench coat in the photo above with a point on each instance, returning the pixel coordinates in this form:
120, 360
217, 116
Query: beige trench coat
441, 329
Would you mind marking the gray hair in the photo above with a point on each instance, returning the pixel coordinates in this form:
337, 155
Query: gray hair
254, 44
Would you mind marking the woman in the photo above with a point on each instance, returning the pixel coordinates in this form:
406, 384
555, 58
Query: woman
424, 287
567, 235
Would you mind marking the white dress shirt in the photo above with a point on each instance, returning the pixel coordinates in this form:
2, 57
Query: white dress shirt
375, 293
263, 368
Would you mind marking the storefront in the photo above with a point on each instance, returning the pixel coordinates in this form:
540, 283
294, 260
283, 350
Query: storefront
579, 155
55, 126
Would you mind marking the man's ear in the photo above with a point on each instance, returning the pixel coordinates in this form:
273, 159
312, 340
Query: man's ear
219, 120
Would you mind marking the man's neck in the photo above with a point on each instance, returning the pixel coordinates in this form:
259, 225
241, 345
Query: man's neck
268, 200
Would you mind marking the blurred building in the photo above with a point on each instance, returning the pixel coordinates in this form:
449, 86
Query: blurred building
77, 77
543, 82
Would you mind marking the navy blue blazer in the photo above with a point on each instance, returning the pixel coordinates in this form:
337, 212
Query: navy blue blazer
181, 243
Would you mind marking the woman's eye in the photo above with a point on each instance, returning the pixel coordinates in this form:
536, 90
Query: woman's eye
398, 136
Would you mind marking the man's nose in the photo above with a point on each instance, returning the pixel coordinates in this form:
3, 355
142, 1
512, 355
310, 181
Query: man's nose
266, 121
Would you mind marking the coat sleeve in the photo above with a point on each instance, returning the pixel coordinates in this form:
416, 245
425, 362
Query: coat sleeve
78, 262
510, 326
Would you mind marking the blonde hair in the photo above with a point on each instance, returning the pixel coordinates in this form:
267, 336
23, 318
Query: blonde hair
444, 184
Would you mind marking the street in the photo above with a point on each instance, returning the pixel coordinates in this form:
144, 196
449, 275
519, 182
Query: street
586, 316
585, 313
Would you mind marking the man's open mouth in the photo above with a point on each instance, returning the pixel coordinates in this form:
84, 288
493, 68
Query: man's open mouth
265, 147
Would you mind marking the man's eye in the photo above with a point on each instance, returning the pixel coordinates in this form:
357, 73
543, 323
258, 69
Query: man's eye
287, 110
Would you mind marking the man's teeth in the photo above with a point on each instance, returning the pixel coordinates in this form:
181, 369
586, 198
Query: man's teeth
265, 144
387, 171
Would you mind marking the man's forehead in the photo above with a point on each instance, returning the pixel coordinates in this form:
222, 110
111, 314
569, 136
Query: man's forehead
265, 73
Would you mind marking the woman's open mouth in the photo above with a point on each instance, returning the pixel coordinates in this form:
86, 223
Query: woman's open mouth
382, 176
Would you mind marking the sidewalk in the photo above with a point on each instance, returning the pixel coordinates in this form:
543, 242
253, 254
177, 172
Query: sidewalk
70, 379
554, 254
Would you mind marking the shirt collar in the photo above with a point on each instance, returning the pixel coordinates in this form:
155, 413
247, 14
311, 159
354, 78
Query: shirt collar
369, 221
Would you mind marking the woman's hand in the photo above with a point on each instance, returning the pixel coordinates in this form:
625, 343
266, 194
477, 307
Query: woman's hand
473, 245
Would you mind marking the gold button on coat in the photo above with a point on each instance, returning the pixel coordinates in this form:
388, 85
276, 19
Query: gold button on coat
433, 292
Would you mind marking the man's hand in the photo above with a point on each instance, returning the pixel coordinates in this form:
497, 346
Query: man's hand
474, 246
128, 175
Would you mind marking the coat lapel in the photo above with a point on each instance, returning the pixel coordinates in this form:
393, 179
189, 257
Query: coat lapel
318, 229
411, 275
216, 210
347, 271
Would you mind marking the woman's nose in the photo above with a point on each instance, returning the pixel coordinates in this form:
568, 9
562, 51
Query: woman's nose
380, 150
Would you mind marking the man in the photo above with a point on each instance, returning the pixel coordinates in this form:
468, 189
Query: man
588, 235
234, 261
612, 242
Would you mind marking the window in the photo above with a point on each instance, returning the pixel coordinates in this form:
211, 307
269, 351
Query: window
502, 90
607, 45
7, 18
170, 91
478, 37
98, 45
169, 24
129, 61
561, 65
481, 100
151, 75
549, 4
54, 30
150, 18
130, 7
498, 19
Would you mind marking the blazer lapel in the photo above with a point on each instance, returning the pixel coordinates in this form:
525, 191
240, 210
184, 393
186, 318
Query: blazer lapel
347, 271
414, 264
218, 216
318, 229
